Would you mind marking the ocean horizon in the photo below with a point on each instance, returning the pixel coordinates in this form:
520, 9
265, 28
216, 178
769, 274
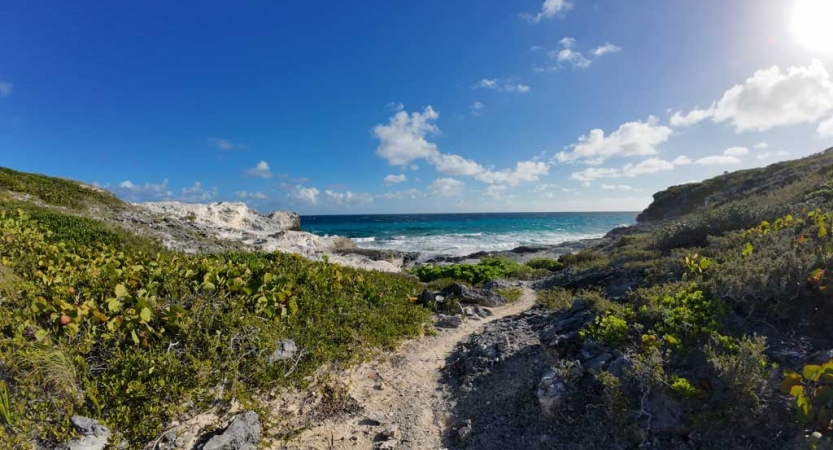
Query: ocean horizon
460, 234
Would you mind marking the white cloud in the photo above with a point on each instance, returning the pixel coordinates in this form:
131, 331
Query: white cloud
717, 160
549, 9
501, 85
770, 98
593, 173
650, 165
450, 164
768, 155
477, 108
605, 49
225, 144
261, 170
305, 194
446, 187
143, 192
825, 129
761, 145
243, 195
631, 139
402, 140
393, 179
682, 160
5, 88
524, 172
736, 151
347, 198
616, 187
400, 195
197, 194
495, 190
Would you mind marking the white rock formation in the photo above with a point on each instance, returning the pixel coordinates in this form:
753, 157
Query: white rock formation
276, 231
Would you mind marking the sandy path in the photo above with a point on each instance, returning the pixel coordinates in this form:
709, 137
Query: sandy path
410, 397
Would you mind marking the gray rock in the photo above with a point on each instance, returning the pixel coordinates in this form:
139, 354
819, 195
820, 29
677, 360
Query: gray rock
449, 321
384, 445
94, 436
596, 365
425, 298
619, 365
552, 392
243, 433
390, 431
665, 414
286, 349
476, 312
494, 285
477, 296
461, 431
561, 336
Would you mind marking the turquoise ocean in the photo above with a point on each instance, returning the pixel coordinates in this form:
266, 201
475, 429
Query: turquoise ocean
463, 234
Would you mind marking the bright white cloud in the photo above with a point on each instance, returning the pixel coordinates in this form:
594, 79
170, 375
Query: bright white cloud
682, 160
197, 194
446, 187
605, 49
736, 151
455, 165
770, 98
648, 166
304, 194
524, 172
717, 160
825, 129
347, 198
261, 170
501, 85
393, 179
631, 139
244, 195
143, 192
593, 173
402, 140
5, 88
549, 9
616, 187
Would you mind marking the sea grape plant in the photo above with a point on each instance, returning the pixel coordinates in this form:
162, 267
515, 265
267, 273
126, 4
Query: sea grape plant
812, 391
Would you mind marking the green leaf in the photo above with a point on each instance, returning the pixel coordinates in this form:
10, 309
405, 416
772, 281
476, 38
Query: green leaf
134, 336
121, 291
788, 383
209, 286
812, 372
747, 250
797, 391
145, 315
113, 305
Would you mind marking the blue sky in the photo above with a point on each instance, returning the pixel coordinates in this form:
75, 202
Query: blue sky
391, 107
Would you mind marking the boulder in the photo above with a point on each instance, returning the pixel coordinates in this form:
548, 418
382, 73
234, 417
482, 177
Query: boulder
94, 436
461, 431
562, 337
243, 433
446, 321
286, 349
477, 296
552, 392
476, 312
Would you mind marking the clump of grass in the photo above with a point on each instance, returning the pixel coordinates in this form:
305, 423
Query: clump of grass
512, 293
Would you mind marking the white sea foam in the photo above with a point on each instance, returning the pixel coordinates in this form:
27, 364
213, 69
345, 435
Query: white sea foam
468, 243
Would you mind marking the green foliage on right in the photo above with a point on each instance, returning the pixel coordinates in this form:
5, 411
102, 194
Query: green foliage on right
812, 391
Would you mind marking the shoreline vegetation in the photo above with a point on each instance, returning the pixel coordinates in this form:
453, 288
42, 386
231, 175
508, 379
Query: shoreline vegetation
706, 324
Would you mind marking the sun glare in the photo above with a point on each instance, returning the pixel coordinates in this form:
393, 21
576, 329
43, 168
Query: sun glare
812, 23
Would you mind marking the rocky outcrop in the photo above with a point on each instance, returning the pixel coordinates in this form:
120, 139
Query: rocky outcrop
243, 433
94, 436
480, 297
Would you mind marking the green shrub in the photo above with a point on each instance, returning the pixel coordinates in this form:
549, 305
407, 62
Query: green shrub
743, 368
135, 339
56, 191
512, 294
558, 298
684, 317
489, 268
441, 284
584, 259
545, 263
608, 329
682, 387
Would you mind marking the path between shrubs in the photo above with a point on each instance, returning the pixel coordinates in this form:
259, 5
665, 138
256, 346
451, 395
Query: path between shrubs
404, 390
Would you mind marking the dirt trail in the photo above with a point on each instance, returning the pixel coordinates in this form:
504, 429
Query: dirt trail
402, 389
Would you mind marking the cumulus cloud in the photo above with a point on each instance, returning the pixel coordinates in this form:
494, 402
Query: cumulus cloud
347, 198
736, 151
303, 194
567, 54
197, 194
261, 170
393, 179
682, 160
770, 98
446, 187
143, 192
508, 85
825, 129
402, 139
549, 9
616, 187
593, 173
400, 195
630, 139
717, 160
648, 166
244, 195
5, 88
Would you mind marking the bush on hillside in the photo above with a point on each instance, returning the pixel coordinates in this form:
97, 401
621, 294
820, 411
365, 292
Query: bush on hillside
545, 263
489, 268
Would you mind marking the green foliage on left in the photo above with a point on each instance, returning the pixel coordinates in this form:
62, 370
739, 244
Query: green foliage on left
136, 338
56, 191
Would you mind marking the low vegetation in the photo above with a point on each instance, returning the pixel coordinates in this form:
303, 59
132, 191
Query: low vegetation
488, 269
